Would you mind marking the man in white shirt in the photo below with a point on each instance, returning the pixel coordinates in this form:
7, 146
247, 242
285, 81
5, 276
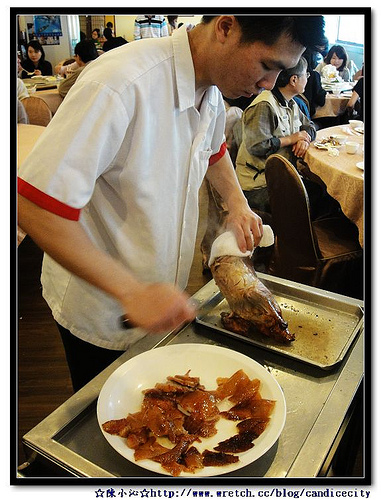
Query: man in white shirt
115, 206
150, 26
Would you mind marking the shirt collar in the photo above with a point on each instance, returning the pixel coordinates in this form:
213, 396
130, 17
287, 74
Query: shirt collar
185, 74
184, 69
280, 97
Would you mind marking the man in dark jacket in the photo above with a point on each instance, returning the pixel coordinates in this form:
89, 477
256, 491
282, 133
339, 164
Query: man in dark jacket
112, 41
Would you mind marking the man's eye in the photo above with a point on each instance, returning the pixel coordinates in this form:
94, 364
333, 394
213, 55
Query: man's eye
265, 67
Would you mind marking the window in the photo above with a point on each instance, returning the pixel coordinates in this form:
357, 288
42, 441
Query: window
348, 29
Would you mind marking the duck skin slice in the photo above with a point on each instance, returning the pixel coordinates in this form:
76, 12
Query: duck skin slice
253, 307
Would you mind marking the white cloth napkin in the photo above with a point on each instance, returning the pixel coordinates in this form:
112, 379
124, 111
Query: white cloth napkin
333, 151
226, 244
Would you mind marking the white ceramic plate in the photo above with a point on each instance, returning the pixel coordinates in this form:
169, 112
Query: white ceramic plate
122, 394
360, 165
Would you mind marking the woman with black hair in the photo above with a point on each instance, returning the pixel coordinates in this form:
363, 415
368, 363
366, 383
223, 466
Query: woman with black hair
96, 38
35, 61
337, 56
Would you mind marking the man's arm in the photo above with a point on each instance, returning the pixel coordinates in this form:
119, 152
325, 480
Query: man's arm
308, 127
156, 307
260, 123
241, 219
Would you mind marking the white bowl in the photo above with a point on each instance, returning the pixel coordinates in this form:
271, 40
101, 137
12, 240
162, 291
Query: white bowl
351, 147
356, 123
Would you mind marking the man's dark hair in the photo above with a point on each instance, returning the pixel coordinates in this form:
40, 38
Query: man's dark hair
285, 75
311, 56
306, 30
86, 50
107, 33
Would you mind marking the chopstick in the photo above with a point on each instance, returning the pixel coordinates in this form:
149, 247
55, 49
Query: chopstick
28, 72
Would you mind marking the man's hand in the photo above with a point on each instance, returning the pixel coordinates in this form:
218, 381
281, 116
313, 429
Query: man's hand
302, 135
300, 148
158, 307
247, 227
294, 139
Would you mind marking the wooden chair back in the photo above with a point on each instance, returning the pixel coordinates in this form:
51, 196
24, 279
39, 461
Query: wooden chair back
290, 209
324, 253
37, 110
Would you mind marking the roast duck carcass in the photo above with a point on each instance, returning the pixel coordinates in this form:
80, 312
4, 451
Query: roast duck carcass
253, 307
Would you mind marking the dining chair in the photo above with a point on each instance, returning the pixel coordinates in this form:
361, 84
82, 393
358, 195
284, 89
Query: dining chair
71, 60
38, 111
324, 253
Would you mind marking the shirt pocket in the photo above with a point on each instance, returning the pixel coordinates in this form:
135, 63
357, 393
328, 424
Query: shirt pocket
284, 124
296, 124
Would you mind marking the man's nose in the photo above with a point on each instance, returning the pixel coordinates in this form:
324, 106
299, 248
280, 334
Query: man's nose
268, 81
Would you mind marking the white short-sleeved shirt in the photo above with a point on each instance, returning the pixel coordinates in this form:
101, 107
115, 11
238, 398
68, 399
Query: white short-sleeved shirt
126, 153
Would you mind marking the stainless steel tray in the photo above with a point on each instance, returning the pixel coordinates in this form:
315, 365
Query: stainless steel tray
324, 324
317, 400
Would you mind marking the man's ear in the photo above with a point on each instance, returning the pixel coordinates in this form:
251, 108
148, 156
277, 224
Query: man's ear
224, 26
293, 80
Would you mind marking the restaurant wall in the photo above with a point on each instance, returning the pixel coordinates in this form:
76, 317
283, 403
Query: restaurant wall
124, 25
54, 53
355, 53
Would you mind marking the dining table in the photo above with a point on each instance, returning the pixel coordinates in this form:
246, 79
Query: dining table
335, 105
42, 82
341, 172
27, 136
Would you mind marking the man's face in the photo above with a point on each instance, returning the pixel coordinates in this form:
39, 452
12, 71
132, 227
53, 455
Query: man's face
249, 68
301, 82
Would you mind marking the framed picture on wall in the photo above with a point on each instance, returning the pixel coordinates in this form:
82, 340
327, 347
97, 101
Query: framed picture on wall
47, 26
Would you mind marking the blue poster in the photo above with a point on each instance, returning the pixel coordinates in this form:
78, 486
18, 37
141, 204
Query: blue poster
47, 26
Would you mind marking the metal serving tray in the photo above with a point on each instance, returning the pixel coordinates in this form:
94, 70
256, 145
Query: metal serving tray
324, 324
70, 439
